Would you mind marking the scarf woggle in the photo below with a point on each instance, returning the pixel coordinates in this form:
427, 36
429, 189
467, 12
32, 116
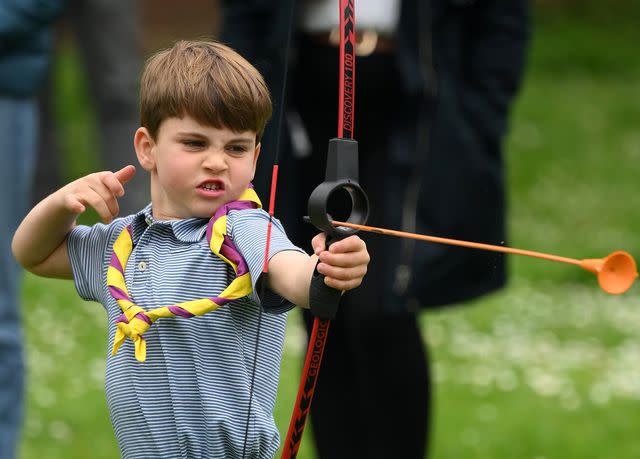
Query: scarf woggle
134, 320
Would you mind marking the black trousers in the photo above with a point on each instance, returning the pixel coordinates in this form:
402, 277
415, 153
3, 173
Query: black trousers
373, 394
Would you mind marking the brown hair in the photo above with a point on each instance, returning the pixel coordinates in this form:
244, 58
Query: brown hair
207, 81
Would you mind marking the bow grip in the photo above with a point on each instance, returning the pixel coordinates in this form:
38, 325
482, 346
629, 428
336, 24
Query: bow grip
323, 300
341, 175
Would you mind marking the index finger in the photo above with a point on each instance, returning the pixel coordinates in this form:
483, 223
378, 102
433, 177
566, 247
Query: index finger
125, 174
350, 244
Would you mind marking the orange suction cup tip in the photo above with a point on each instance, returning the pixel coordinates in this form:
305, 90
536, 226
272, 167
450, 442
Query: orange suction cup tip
616, 273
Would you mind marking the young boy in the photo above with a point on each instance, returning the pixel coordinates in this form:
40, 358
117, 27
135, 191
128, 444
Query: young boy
203, 112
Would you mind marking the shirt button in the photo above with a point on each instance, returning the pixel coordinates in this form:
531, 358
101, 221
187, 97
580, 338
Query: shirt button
142, 266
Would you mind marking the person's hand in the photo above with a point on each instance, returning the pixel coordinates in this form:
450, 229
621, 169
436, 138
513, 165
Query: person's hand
99, 190
344, 264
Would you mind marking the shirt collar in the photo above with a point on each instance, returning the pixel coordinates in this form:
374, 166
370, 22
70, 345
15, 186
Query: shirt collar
186, 230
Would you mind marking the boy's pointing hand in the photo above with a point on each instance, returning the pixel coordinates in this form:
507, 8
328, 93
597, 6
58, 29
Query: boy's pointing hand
100, 190
344, 264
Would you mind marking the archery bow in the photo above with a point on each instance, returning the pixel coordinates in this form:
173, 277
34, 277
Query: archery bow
341, 175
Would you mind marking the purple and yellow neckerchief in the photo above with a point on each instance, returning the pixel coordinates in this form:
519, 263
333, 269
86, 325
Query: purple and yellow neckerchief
134, 320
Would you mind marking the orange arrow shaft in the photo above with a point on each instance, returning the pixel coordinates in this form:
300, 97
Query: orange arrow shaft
473, 245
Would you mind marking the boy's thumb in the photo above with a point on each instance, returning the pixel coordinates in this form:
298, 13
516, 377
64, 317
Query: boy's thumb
126, 173
318, 243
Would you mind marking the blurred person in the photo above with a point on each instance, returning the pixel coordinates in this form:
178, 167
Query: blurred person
434, 84
106, 33
25, 43
180, 377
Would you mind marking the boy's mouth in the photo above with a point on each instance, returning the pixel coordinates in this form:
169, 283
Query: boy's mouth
212, 186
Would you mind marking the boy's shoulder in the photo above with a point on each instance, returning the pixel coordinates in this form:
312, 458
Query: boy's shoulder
258, 213
105, 233
247, 220
117, 224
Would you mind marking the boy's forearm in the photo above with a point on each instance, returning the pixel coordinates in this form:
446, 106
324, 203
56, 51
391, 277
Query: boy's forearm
290, 276
42, 231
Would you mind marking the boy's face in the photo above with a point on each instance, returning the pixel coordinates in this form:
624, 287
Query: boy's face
195, 169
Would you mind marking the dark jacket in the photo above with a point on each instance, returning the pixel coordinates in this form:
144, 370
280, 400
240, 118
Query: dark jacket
461, 63
25, 44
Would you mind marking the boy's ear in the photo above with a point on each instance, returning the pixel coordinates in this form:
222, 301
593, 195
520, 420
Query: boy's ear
143, 143
256, 153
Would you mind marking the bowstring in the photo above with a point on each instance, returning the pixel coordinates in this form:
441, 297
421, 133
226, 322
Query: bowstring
272, 199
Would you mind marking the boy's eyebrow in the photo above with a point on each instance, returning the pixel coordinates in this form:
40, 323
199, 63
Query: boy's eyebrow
247, 139
190, 134
240, 139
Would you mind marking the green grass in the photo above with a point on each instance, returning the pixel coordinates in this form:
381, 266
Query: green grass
547, 368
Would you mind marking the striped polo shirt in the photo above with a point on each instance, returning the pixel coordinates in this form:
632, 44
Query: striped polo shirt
190, 398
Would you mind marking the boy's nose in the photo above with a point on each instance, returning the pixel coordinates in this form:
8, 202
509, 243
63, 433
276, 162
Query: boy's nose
214, 160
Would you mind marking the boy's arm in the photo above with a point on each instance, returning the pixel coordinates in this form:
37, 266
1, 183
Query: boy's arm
343, 265
40, 242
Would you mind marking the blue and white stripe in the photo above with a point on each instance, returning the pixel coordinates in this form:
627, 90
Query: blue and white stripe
190, 398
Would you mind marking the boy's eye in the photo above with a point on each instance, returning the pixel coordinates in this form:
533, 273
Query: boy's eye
193, 144
237, 148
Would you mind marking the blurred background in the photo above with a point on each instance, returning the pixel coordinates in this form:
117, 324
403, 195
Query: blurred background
548, 368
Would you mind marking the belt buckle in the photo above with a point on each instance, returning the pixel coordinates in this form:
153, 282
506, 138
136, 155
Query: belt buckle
366, 41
